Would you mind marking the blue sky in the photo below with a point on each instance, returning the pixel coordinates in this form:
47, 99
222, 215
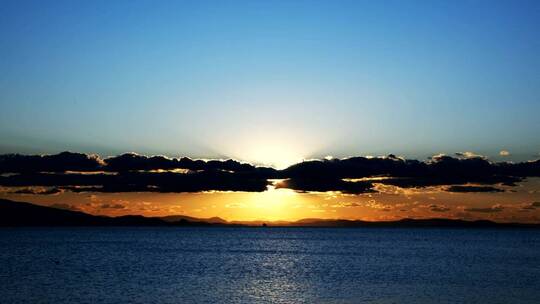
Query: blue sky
269, 81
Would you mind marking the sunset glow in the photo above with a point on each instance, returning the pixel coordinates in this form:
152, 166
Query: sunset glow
269, 151
287, 205
279, 157
199, 113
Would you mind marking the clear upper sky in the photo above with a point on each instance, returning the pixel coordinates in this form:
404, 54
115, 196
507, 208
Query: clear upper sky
270, 81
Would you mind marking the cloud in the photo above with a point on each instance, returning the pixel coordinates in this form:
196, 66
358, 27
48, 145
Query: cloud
142, 182
112, 206
440, 170
325, 184
79, 162
439, 208
133, 161
346, 205
379, 206
469, 154
235, 206
473, 189
504, 153
492, 209
531, 206
38, 190
131, 172
65, 161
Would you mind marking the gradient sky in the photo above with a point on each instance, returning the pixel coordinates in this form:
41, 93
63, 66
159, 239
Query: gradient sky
272, 81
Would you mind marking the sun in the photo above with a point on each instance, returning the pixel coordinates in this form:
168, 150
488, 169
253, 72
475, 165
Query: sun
276, 156
277, 151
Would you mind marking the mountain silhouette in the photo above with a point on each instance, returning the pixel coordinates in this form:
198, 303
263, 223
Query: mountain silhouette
25, 214
20, 214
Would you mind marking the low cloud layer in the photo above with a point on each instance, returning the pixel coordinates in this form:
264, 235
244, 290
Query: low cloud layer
492, 209
465, 172
112, 206
473, 189
38, 190
438, 208
531, 206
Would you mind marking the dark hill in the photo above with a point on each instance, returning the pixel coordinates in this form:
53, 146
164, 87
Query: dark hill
25, 214
19, 214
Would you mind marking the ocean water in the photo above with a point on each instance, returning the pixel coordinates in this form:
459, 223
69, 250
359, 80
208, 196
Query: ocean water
268, 265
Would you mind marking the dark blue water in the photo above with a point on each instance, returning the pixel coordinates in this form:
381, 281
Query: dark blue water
243, 265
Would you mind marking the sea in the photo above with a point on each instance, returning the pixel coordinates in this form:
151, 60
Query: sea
269, 265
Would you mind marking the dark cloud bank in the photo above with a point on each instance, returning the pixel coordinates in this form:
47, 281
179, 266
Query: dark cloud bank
132, 172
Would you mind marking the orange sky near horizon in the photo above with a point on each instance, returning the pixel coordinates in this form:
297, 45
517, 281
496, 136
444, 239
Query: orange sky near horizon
389, 203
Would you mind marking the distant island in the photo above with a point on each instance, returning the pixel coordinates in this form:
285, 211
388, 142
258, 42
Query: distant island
22, 214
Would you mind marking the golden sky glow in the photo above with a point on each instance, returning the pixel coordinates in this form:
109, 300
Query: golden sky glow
284, 204
272, 155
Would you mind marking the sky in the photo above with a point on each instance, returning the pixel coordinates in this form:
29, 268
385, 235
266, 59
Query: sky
270, 82
520, 204
273, 83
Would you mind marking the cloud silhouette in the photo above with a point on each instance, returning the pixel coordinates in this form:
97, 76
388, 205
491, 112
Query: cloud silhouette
65, 161
440, 170
135, 162
324, 184
142, 181
133, 172
473, 189
78, 162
